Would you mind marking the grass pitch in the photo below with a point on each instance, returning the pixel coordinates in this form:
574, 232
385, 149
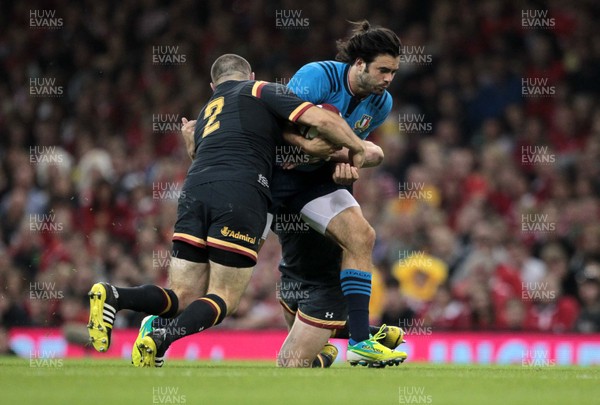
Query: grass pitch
117, 382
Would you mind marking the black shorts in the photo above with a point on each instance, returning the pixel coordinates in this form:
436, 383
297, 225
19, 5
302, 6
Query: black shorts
220, 221
323, 306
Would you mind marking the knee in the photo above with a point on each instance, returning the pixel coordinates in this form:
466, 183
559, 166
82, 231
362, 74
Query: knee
369, 235
362, 236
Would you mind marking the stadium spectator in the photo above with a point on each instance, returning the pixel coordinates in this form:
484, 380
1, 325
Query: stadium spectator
444, 312
589, 291
551, 311
419, 275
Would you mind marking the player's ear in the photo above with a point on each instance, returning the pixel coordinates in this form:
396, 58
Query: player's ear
252, 76
212, 86
359, 63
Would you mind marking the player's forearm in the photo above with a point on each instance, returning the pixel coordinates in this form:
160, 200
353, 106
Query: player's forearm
336, 130
333, 128
373, 155
293, 137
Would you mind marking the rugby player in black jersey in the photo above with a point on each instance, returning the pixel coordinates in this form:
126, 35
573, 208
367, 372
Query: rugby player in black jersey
311, 295
222, 211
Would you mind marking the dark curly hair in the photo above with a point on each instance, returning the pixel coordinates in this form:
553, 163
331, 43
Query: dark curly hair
367, 43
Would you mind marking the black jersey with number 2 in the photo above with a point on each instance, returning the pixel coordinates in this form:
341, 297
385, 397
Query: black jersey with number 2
238, 129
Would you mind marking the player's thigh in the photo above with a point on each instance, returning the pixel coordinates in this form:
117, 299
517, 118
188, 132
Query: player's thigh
351, 231
324, 211
302, 344
289, 318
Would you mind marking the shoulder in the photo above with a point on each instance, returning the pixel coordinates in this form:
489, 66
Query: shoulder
330, 72
259, 87
324, 66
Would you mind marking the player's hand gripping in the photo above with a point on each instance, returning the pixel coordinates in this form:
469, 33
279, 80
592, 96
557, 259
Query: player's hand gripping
319, 147
357, 157
187, 130
345, 174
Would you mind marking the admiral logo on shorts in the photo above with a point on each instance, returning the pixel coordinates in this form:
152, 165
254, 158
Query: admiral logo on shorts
225, 231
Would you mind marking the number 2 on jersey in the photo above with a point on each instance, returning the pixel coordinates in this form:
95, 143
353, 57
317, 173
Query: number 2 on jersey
213, 109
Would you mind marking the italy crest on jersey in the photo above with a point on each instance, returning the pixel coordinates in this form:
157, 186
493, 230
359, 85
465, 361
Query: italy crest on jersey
363, 123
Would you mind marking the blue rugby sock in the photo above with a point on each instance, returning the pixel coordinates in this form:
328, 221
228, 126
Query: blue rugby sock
356, 286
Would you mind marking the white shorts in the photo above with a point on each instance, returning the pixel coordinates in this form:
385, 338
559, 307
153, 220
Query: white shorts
320, 211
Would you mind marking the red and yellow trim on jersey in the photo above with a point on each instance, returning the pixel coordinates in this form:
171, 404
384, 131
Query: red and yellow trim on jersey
320, 323
191, 239
257, 88
169, 303
301, 109
215, 306
285, 307
231, 247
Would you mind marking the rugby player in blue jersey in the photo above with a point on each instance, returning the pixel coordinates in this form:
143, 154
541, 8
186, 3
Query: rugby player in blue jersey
356, 85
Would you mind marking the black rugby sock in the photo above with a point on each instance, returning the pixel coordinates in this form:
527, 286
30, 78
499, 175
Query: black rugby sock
201, 314
150, 299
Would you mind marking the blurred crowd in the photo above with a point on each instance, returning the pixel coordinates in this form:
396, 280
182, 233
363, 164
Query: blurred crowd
487, 212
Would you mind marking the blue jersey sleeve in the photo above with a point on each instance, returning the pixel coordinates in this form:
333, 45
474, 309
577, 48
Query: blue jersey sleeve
381, 115
311, 83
